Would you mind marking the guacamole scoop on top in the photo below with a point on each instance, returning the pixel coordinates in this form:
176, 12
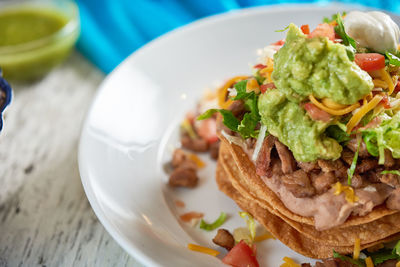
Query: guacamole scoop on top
305, 66
318, 66
290, 123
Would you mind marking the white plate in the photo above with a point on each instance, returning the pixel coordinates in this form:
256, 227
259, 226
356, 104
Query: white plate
132, 126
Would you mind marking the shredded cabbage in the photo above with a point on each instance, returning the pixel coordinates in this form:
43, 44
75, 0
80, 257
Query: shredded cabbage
260, 140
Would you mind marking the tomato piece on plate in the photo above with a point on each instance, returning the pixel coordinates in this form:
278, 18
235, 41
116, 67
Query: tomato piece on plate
241, 255
207, 129
265, 87
324, 30
370, 61
305, 29
316, 113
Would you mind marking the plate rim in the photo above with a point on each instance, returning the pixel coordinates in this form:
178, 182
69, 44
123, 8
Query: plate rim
133, 249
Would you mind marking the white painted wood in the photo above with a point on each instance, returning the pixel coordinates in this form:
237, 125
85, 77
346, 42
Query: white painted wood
45, 218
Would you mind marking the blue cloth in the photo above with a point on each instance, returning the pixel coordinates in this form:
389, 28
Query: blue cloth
112, 29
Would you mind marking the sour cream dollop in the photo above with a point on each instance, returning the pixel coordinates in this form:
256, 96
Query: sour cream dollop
374, 30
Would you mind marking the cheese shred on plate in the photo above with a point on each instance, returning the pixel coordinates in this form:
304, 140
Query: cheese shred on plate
197, 160
204, 250
289, 263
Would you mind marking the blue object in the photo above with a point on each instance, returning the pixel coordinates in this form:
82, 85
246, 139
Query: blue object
113, 29
5, 97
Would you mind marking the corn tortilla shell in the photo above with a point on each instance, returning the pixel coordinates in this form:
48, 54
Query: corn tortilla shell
369, 232
252, 183
279, 228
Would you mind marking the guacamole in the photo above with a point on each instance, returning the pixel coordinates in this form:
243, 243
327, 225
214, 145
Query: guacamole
317, 66
290, 123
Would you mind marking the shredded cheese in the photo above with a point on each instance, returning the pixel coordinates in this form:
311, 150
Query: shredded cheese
197, 160
347, 190
264, 237
378, 83
333, 105
333, 111
369, 263
289, 263
252, 85
386, 77
356, 253
267, 71
205, 250
223, 102
362, 111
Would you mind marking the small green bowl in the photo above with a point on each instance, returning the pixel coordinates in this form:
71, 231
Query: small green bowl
34, 58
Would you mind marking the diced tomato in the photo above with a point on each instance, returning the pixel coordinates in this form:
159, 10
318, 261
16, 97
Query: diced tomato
280, 42
397, 87
385, 102
241, 255
324, 30
305, 29
207, 129
265, 87
370, 61
316, 113
260, 66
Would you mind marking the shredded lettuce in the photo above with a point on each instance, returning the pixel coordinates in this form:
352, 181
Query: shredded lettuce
396, 249
187, 127
212, 226
359, 262
382, 256
350, 171
333, 18
371, 143
339, 29
391, 172
242, 233
340, 135
251, 223
392, 59
229, 120
385, 136
284, 29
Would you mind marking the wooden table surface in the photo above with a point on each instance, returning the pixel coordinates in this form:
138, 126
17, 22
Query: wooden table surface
45, 217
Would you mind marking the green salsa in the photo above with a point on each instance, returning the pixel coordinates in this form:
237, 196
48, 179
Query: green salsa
33, 39
18, 26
